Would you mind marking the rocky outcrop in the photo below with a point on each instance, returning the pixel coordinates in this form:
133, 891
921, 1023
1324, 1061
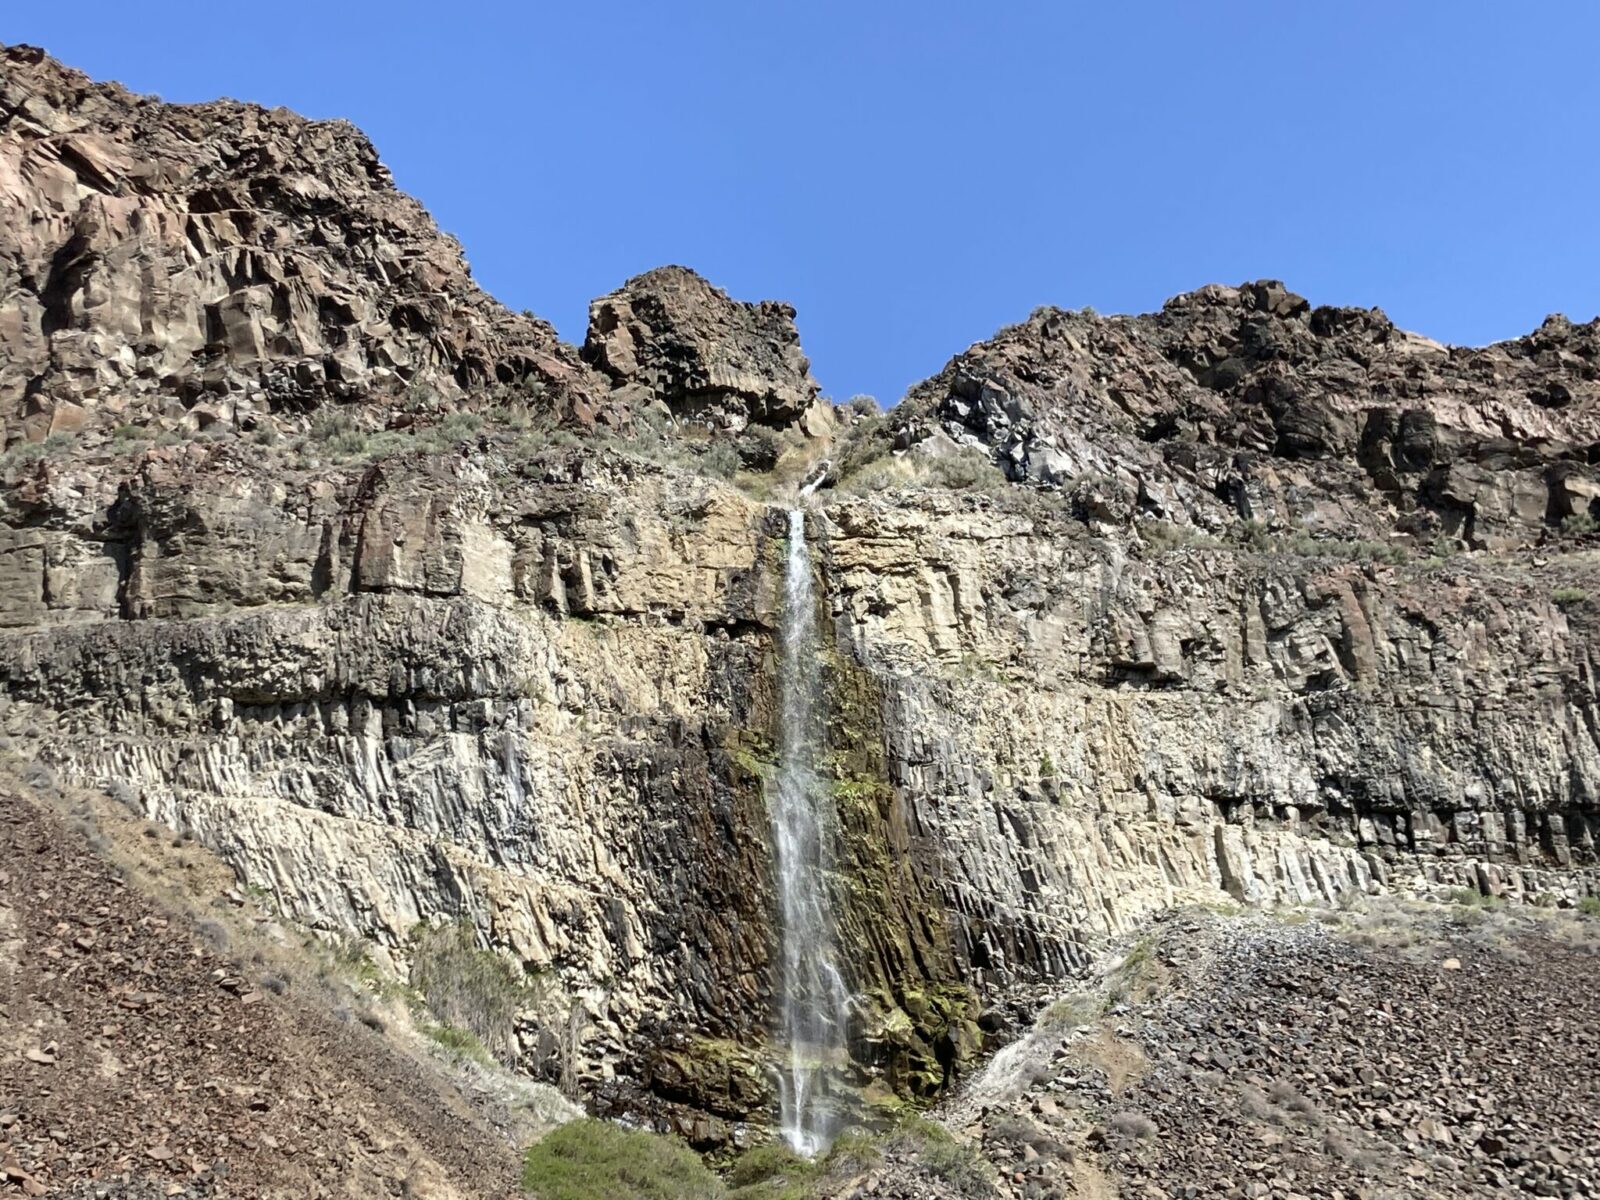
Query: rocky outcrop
196, 265
1087, 735
1248, 403
537, 695
669, 337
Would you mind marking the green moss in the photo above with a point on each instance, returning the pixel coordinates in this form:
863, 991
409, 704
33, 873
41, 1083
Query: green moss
594, 1160
750, 752
858, 792
893, 925
908, 1027
714, 1074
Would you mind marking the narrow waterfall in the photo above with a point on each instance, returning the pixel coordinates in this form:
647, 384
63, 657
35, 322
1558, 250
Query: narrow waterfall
812, 1001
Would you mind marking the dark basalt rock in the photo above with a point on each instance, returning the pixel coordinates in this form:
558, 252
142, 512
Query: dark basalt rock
1330, 420
670, 337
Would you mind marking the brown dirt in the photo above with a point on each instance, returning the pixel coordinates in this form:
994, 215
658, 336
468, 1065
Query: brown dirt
135, 1054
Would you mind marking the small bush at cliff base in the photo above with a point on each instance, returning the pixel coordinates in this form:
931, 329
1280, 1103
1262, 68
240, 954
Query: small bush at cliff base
595, 1160
939, 1153
775, 1172
470, 990
771, 1172
461, 1042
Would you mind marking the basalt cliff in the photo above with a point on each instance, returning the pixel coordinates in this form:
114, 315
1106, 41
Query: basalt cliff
411, 613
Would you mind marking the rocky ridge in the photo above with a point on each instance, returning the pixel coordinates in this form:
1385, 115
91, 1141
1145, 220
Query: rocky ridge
671, 338
1249, 403
1275, 603
222, 263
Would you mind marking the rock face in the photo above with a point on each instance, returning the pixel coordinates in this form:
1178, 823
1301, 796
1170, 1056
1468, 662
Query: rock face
1249, 403
489, 670
671, 337
218, 263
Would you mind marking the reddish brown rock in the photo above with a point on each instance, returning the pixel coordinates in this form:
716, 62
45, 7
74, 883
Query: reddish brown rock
221, 262
1246, 403
671, 337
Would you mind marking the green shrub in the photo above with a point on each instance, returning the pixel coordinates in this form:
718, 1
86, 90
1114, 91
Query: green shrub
457, 427
1589, 906
330, 423
590, 1159
1308, 545
1577, 525
1569, 597
1068, 1013
1473, 898
54, 446
970, 469
772, 1171
939, 1153
865, 443
719, 459
1165, 535
864, 465
771, 1160
351, 443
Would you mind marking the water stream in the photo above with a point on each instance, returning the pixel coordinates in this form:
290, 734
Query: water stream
812, 997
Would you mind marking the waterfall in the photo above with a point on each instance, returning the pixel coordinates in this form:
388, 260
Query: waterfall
812, 1000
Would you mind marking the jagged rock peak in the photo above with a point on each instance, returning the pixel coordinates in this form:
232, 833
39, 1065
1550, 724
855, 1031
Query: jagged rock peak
216, 262
670, 337
1250, 403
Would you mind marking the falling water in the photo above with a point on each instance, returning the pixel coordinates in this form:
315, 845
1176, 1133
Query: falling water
812, 999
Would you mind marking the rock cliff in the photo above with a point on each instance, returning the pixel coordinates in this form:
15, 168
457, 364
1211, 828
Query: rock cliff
1247, 402
671, 338
311, 550
189, 265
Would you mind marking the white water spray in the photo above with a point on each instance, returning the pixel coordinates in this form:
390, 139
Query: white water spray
812, 1001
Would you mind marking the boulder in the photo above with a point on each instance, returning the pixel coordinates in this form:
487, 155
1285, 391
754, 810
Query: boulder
670, 336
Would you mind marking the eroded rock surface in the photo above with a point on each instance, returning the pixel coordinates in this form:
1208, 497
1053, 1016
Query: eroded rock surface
217, 263
1249, 402
670, 337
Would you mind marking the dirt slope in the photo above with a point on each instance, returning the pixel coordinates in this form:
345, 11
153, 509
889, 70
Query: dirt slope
1406, 1050
133, 1053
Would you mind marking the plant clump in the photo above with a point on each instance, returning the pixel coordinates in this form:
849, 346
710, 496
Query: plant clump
590, 1159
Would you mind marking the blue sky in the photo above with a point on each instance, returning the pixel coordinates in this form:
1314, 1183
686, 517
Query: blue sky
914, 175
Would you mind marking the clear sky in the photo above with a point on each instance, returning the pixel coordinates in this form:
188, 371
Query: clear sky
913, 175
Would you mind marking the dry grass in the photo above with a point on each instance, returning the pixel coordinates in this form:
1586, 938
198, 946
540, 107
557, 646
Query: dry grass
474, 992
